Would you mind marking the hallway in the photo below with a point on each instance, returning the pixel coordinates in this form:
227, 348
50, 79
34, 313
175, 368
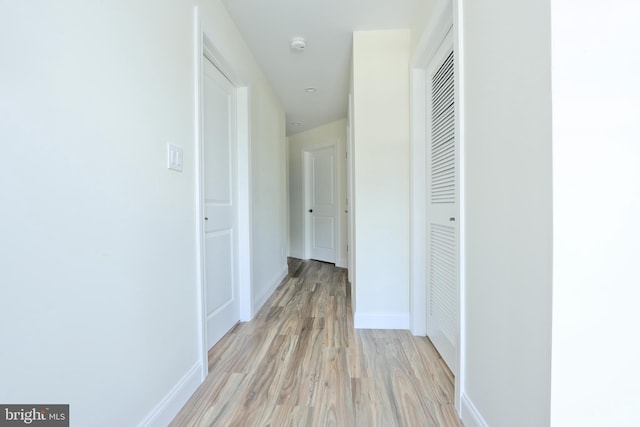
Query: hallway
301, 363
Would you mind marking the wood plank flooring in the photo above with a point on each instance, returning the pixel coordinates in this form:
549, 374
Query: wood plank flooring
301, 363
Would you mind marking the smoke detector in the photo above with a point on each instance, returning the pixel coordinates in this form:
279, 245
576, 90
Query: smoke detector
298, 43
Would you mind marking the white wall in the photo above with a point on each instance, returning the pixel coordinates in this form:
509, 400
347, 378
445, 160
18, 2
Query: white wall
596, 185
381, 177
98, 303
298, 143
269, 189
423, 15
506, 54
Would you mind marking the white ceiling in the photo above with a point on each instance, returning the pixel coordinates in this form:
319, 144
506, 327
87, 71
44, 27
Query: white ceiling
327, 26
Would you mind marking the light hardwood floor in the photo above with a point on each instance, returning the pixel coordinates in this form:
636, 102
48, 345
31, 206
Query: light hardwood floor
301, 363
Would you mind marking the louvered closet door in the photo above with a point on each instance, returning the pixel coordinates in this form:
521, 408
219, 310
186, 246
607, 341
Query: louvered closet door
442, 210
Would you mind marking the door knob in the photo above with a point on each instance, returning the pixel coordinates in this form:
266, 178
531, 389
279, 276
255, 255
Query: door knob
206, 219
310, 210
452, 219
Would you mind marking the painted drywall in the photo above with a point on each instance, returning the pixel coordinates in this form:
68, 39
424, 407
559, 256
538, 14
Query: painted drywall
421, 19
269, 201
381, 176
596, 152
334, 132
99, 292
507, 160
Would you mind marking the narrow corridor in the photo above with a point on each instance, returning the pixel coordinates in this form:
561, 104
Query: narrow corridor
301, 363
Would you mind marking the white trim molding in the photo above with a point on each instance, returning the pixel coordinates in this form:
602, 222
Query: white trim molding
418, 205
198, 51
381, 320
470, 415
245, 210
458, 46
167, 409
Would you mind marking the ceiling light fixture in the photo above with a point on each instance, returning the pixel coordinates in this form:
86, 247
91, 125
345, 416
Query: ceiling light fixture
311, 90
296, 124
298, 43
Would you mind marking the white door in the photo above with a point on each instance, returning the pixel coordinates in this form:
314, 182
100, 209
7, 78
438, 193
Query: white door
220, 203
321, 203
442, 206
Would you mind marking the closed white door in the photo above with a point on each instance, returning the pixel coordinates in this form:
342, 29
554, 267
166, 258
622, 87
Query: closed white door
321, 203
220, 203
442, 209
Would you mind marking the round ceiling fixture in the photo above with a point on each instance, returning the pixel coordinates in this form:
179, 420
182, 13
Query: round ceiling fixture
298, 43
311, 90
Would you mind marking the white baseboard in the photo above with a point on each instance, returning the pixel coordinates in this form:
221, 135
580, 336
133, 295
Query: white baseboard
469, 413
381, 320
166, 410
262, 298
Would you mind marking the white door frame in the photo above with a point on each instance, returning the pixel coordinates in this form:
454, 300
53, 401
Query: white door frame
351, 248
205, 45
447, 17
306, 223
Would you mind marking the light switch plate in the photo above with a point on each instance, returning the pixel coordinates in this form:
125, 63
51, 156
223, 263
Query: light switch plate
174, 157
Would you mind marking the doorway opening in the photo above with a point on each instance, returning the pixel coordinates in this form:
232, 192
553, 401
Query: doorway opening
222, 183
437, 274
